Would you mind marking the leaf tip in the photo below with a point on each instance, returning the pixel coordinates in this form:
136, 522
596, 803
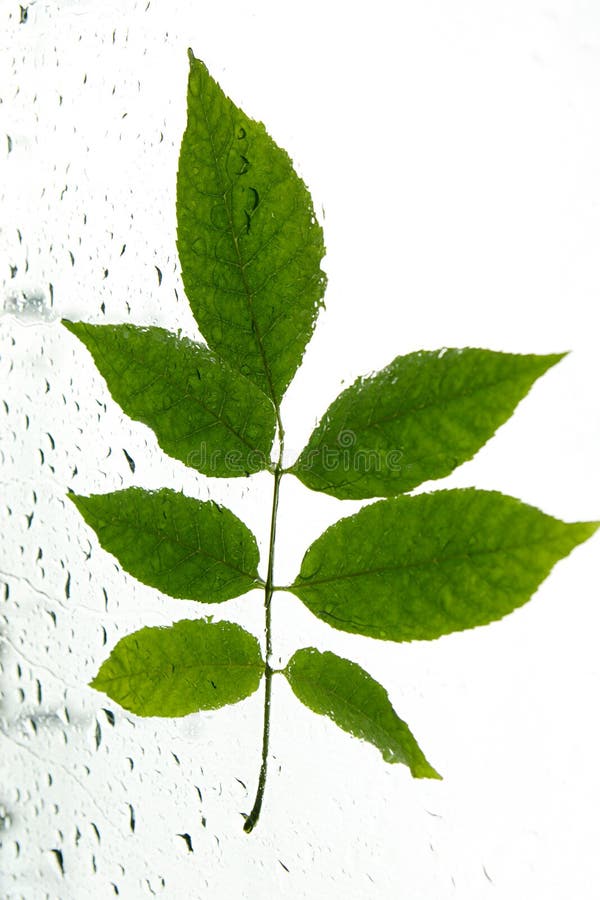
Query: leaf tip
69, 325
96, 683
419, 766
580, 532
74, 498
195, 63
554, 358
81, 330
588, 529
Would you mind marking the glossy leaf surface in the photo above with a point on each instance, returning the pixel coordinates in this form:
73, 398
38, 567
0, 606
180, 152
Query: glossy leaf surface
202, 411
415, 420
414, 568
350, 697
249, 245
178, 670
189, 549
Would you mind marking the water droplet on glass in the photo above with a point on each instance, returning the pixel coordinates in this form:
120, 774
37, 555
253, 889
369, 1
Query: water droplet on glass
129, 459
58, 856
29, 307
188, 841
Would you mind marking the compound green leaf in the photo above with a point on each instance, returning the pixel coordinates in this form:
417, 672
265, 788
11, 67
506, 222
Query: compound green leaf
414, 568
249, 245
202, 411
358, 704
192, 665
417, 419
190, 549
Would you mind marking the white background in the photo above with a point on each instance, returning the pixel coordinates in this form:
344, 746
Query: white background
452, 149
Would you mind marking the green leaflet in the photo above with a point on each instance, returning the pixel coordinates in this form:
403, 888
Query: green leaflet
186, 548
249, 245
201, 410
417, 419
344, 692
192, 665
414, 568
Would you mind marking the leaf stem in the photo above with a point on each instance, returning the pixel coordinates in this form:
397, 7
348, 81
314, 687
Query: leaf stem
252, 817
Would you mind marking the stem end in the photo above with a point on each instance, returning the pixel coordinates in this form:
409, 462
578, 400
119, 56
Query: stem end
249, 824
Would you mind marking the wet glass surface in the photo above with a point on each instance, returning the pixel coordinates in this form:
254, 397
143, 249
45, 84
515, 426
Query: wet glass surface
95, 802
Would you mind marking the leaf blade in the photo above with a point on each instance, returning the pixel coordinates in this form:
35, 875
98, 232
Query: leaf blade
415, 420
356, 703
188, 549
202, 411
249, 245
175, 671
415, 568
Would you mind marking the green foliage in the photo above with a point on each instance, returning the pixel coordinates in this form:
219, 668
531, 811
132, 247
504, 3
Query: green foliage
344, 692
404, 568
200, 409
249, 245
186, 548
414, 568
178, 670
417, 419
